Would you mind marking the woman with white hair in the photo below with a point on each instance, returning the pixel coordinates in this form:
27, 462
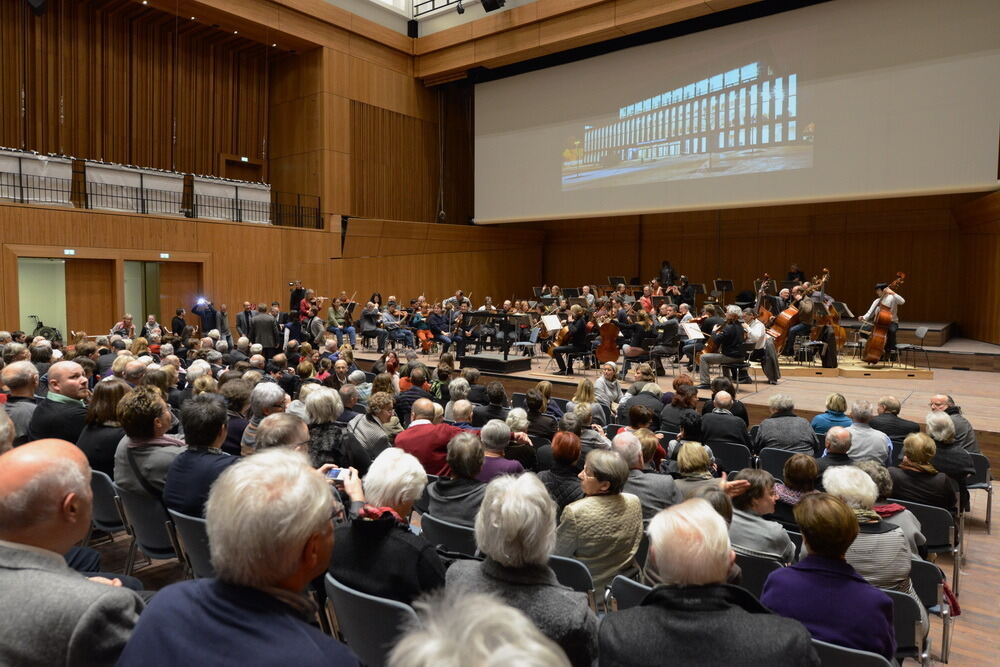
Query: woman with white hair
496, 437
378, 553
880, 553
329, 440
458, 390
516, 532
783, 429
522, 452
607, 390
951, 458
266, 398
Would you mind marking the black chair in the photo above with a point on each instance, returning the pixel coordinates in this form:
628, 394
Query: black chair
755, 571
607, 413
906, 622
517, 400
147, 522
668, 435
905, 350
831, 655
424, 501
731, 456
942, 533
574, 574
754, 430
733, 370
642, 551
561, 402
983, 481
611, 430
773, 460
368, 624
796, 538
451, 536
819, 444
543, 458
194, 541
369, 377
928, 583
105, 514
538, 441
626, 593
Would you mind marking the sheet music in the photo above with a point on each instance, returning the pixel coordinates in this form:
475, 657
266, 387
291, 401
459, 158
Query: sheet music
693, 331
551, 323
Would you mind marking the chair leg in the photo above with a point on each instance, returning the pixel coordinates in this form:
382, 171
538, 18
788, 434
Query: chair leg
130, 559
961, 537
989, 508
946, 628
956, 572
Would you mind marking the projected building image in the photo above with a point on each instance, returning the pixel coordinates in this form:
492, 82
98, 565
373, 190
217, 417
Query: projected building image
744, 120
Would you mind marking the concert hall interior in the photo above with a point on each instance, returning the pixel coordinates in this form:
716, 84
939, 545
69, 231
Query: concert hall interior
534, 188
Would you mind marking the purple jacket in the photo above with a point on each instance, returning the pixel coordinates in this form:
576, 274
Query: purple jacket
834, 603
494, 467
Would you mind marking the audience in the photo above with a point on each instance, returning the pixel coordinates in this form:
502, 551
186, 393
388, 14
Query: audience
889, 422
838, 446
894, 513
368, 428
520, 448
721, 425
965, 434
496, 436
62, 414
822, 591
783, 429
21, 380
654, 491
951, 458
462, 412
457, 498
866, 442
102, 432
540, 423
836, 406
416, 391
722, 383
516, 532
458, 389
799, 478
270, 534
426, 440
329, 440
562, 480
917, 480
267, 398
694, 465
144, 456
750, 532
694, 618
495, 409
603, 529
237, 396
585, 395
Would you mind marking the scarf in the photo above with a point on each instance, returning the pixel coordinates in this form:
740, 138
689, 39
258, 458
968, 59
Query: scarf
866, 516
788, 496
907, 464
162, 441
696, 475
372, 512
888, 509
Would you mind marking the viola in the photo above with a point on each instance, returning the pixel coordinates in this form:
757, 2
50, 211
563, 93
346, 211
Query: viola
875, 346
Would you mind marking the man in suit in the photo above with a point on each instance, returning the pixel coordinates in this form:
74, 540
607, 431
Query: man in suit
889, 422
254, 609
406, 399
244, 319
52, 615
655, 491
426, 440
965, 435
497, 408
264, 331
698, 618
62, 412
721, 425
178, 323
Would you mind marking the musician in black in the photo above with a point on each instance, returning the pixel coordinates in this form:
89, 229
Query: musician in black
575, 342
729, 340
795, 273
464, 331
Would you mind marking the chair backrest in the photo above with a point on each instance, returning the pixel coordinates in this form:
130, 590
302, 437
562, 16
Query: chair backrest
668, 436
921, 333
755, 572
370, 625
105, 513
796, 538
731, 455
982, 476
194, 541
574, 574
936, 523
561, 402
773, 460
627, 592
148, 520
517, 399
906, 623
607, 413
831, 655
369, 377
819, 444
753, 433
533, 336
927, 579
539, 441
424, 501
611, 430
451, 536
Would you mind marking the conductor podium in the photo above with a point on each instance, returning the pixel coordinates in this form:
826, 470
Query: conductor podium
496, 362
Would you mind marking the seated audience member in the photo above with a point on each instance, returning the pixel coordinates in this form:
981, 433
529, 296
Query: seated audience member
607, 391
654, 491
799, 474
475, 629
552, 408
7, 431
585, 394
329, 440
458, 390
456, 498
836, 407
823, 592
520, 448
951, 458
603, 529
838, 445
917, 480
283, 429
649, 396
378, 553
889, 422
21, 380
52, 615
477, 392
515, 531
750, 532
540, 423
722, 383
694, 618
721, 425
193, 471
894, 513
462, 412
349, 397
368, 428
684, 402
237, 396
426, 440
406, 399
495, 436
880, 553
562, 480
102, 433
497, 407
965, 434
144, 456
783, 429
270, 534
62, 414
267, 398
866, 442
694, 464
591, 435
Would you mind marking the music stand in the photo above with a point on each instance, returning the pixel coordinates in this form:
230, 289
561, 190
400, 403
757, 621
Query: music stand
571, 292
841, 307
615, 281
350, 309
537, 291
637, 294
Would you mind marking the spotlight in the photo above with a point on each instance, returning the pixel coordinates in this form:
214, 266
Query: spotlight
460, 9
493, 5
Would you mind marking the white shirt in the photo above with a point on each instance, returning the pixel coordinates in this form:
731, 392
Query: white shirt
892, 301
757, 334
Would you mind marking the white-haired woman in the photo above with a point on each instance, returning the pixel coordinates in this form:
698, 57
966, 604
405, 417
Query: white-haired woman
607, 391
330, 441
603, 529
266, 398
783, 429
951, 458
458, 390
880, 553
523, 453
516, 531
378, 553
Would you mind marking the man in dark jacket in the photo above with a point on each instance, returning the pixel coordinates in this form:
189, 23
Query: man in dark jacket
406, 399
838, 443
62, 413
477, 392
497, 408
697, 618
889, 422
456, 499
264, 331
965, 435
721, 425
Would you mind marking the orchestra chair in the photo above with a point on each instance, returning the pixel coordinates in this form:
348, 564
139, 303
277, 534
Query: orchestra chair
943, 533
906, 622
909, 350
831, 655
983, 481
451, 536
626, 593
755, 569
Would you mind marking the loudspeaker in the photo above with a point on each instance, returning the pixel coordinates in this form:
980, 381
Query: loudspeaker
493, 5
38, 6
412, 28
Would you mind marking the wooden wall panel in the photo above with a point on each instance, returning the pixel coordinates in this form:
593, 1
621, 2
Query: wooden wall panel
90, 304
180, 285
980, 274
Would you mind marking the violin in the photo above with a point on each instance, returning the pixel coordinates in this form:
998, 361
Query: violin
875, 346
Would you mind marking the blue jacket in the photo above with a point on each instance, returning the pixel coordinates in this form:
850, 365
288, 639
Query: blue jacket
824, 421
835, 604
207, 622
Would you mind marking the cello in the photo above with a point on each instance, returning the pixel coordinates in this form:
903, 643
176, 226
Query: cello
789, 317
875, 346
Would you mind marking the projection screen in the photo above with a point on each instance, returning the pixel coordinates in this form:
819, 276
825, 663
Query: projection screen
846, 99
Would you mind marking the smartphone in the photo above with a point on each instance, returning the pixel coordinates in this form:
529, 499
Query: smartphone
339, 473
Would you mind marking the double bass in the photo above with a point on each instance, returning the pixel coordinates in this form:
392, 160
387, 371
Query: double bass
789, 317
763, 314
875, 347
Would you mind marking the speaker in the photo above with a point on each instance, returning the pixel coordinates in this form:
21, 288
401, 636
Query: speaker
38, 6
412, 28
493, 5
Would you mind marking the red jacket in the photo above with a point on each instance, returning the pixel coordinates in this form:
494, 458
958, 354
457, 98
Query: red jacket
429, 443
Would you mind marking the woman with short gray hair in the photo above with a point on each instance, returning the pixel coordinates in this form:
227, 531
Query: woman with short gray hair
368, 428
602, 530
456, 499
516, 531
329, 440
951, 458
496, 437
894, 513
458, 390
783, 429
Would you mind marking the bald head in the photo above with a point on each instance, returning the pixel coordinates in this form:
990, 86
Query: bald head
45, 497
21, 377
940, 402
423, 408
134, 370
838, 440
723, 400
462, 410
67, 378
